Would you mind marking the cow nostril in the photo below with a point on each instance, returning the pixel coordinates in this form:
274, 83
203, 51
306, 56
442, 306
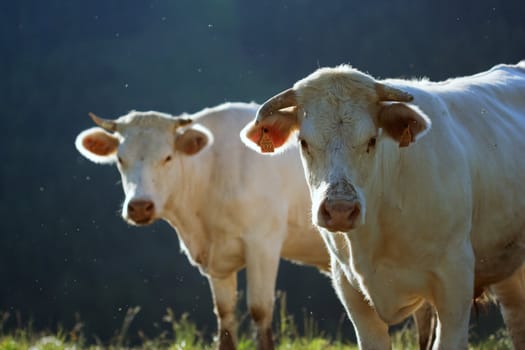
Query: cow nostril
338, 215
354, 214
149, 207
324, 212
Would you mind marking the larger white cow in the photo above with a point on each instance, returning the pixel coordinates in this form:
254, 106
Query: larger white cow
419, 191
194, 172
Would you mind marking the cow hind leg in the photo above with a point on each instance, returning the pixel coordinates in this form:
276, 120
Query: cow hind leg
425, 319
511, 297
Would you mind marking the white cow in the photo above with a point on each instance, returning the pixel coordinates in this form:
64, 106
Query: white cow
418, 189
195, 173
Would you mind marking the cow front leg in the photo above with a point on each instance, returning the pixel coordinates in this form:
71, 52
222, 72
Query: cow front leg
511, 297
453, 292
371, 331
262, 261
224, 293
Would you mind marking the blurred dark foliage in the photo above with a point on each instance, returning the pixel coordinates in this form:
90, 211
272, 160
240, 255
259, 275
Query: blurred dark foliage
63, 248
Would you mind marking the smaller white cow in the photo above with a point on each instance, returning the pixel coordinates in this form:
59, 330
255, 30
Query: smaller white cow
194, 172
419, 191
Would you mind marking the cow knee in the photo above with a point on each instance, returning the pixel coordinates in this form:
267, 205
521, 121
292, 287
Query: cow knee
227, 327
263, 319
226, 316
260, 315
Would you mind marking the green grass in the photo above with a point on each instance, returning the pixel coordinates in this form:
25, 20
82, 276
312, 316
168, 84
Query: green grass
184, 335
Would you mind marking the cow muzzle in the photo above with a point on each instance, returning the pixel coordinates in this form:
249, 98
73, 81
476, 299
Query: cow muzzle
140, 212
338, 215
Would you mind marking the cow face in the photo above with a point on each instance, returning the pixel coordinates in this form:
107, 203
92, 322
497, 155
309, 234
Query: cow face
150, 150
343, 120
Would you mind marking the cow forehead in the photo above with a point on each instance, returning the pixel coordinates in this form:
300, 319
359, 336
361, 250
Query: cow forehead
145, 134
331, 119
337, 101
148, 119
342, 83
146, 142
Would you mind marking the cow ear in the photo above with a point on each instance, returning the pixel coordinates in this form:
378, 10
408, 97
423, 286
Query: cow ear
97, 145
271, 133
193, 140
403, 122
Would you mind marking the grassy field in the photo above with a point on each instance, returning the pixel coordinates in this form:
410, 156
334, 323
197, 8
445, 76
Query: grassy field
183, 335
186, 337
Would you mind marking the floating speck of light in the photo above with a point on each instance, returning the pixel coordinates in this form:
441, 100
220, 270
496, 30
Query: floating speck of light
126, 86
210, 25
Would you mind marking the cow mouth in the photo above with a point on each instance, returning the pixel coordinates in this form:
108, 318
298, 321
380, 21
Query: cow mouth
140, 222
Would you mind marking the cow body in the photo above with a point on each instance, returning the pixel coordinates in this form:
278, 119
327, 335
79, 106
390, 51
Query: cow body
194, 172
418, 188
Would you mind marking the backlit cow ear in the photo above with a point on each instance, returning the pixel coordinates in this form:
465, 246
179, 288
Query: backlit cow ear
97, 145
271, 133
192, 140
402, 122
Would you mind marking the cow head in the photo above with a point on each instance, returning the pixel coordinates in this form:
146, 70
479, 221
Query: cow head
150, 150
346, 122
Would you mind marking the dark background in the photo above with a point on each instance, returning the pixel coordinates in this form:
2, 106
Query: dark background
64, 250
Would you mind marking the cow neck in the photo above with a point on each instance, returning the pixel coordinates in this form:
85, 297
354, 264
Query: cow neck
380, 192
187, 205
190, 194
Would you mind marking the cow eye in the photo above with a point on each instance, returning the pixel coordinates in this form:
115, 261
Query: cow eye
371, 144
121, 162
304, 144
167, 159
304, 147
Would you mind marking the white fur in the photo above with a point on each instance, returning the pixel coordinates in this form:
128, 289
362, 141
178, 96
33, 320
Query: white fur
444, 216
231, 207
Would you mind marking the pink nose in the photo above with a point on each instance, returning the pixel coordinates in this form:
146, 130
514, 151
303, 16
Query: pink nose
141, 211
338, 215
